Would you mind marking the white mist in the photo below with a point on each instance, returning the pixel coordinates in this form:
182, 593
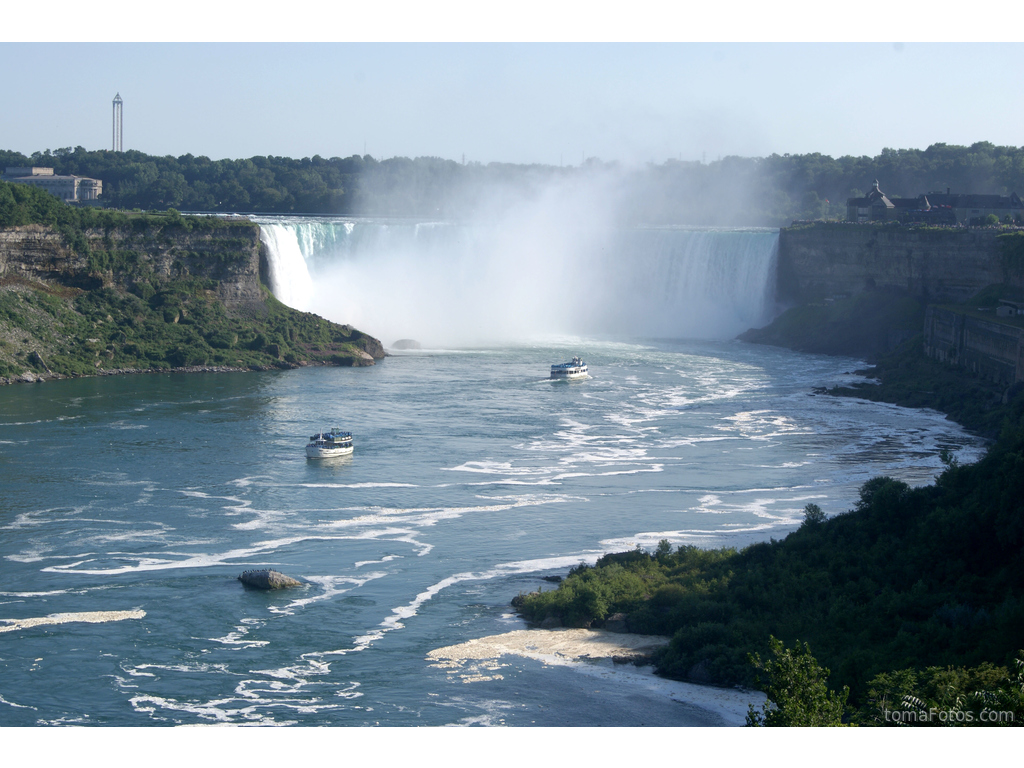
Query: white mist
552, 263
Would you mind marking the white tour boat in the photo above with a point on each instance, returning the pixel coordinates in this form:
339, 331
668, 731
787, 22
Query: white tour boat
324, 445
577, 369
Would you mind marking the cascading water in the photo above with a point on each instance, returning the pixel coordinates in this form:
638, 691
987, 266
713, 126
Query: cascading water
289, 276
451, 284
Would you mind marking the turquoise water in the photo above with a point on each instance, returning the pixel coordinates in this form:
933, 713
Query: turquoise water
473, 477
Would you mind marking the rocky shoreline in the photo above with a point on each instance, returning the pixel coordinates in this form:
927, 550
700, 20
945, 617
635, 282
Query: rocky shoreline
38, 378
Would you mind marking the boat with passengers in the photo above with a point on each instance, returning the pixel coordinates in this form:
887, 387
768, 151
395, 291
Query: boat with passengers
324, 444
576, 369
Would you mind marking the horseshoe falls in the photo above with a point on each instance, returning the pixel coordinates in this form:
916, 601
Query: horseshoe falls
450, 284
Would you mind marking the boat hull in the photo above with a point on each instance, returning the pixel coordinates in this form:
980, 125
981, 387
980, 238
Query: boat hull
327, 452
572, 373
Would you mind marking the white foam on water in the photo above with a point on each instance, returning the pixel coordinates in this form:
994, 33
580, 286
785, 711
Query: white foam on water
87, 617
255, 699
38, 517
410, 610
143, 563
385, 559
68, 591
358, 485
496, 467
331, 586
193, 667
16, 706
215, 710
422, 517
262, 518
236, 505
245, 482
640, 470
238, 637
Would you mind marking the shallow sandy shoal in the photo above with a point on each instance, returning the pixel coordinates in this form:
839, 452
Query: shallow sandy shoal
591, 652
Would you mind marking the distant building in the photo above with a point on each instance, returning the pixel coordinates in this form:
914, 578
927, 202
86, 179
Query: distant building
72, 189
973, 209
935, 208
874, 206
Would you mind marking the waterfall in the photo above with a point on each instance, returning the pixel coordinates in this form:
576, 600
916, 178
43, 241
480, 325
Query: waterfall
452, 283
289, 276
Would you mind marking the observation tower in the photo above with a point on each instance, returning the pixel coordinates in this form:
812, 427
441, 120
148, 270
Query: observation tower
118, 124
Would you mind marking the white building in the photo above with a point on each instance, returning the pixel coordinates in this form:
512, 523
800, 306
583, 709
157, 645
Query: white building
71, 189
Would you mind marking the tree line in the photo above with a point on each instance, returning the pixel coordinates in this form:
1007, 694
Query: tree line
766, 191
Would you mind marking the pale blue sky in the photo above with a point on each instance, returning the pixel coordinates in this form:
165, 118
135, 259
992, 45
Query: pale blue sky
509, 102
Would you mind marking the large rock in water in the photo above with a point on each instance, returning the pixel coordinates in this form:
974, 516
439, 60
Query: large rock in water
267, 579
406, 344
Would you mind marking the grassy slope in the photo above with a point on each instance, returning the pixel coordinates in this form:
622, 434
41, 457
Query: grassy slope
128, 317
48, 328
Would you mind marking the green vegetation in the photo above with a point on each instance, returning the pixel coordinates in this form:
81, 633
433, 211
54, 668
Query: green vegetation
113, 309
985, 695
797, 692
177, 323
769, 191
21, 204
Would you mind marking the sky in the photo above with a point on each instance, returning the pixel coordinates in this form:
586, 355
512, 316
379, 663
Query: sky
546, 98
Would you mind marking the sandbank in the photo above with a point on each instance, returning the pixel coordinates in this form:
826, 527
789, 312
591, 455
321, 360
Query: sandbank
592, 652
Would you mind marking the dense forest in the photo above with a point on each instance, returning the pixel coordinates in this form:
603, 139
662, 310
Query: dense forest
769, 191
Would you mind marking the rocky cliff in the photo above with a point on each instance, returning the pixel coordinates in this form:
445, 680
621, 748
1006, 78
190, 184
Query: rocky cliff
986, 346
152, 292
229, 255
823, 260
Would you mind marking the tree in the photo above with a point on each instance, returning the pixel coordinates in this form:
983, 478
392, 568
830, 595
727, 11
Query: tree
796, 690
812, 516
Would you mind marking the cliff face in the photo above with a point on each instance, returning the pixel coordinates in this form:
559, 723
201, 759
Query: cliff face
229, 255
37, 253
154, 292
823, 260
991, 349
